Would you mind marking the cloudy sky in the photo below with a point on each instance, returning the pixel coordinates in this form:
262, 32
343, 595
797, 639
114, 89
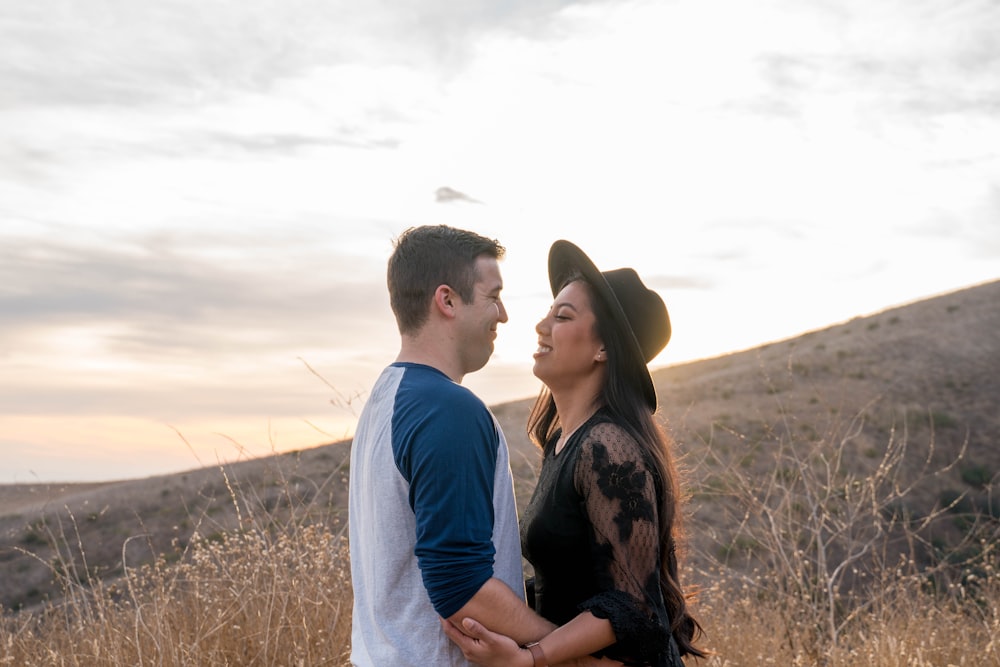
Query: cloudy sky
197, 198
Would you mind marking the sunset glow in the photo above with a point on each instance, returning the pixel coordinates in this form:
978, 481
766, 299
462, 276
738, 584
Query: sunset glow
197, 209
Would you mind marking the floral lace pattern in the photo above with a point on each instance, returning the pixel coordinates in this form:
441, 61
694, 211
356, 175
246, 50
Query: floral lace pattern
619, 492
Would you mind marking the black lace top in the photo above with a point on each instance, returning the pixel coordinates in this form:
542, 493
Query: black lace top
590, 532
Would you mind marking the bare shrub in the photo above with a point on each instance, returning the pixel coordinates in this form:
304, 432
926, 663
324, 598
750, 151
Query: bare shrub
912, 628
833, 562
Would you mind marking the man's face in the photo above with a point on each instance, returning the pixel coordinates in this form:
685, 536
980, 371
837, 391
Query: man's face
478, 320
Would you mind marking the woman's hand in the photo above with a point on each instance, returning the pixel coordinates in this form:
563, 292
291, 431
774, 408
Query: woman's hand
484, 647
490, 649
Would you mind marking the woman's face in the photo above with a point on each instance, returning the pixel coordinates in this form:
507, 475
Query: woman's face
568, 346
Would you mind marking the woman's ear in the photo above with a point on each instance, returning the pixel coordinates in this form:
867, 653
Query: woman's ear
601, 355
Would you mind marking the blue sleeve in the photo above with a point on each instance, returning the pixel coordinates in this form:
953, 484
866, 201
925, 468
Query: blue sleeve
447, 452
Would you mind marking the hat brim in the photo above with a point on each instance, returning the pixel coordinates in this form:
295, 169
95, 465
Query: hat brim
566, 258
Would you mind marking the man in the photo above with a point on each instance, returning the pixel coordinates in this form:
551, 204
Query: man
433, 522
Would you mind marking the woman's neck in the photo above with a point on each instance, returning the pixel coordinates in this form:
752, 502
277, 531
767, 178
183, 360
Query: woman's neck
573, 411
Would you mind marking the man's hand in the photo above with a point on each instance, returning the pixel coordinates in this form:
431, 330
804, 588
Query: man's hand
484, 647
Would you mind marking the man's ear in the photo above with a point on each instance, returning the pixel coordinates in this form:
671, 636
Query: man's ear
445, 300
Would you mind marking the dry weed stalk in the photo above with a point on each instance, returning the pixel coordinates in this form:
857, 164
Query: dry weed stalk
830, 564
912, 629
275, 591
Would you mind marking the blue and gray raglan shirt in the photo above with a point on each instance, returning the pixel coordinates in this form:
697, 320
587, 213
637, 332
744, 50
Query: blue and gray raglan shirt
432, 515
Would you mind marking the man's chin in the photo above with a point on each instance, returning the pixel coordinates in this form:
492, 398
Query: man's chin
478, 366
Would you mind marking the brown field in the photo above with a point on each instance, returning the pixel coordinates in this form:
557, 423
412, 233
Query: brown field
887, 423
32, 498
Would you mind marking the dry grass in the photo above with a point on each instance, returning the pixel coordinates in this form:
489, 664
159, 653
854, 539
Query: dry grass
265, 597
820, 567
272, 593
275, 589
913, 629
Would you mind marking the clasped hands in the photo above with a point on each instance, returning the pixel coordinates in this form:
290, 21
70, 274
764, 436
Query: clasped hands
484, 647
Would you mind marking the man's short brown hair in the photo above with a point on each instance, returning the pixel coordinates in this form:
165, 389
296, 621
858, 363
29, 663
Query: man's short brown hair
429, 256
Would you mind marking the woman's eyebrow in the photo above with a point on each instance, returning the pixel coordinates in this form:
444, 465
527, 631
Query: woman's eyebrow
567, 304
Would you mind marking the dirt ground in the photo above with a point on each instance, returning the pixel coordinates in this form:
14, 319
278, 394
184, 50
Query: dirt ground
30, 498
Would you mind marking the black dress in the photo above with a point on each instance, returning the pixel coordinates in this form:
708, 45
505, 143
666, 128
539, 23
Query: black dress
591, 533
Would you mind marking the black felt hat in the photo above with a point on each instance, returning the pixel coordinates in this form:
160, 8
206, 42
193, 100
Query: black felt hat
638, 311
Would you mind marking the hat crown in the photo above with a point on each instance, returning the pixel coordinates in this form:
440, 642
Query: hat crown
644, 310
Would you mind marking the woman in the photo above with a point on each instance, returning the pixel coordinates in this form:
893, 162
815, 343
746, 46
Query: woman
600, 527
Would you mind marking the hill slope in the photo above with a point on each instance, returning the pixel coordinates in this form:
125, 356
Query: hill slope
926, 373
921, 381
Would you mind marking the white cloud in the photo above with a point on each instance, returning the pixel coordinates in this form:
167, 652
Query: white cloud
202, 193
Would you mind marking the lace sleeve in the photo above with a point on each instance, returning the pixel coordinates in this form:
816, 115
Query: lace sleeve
619, 495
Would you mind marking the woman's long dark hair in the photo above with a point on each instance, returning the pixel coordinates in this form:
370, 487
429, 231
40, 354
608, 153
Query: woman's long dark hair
622, 397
